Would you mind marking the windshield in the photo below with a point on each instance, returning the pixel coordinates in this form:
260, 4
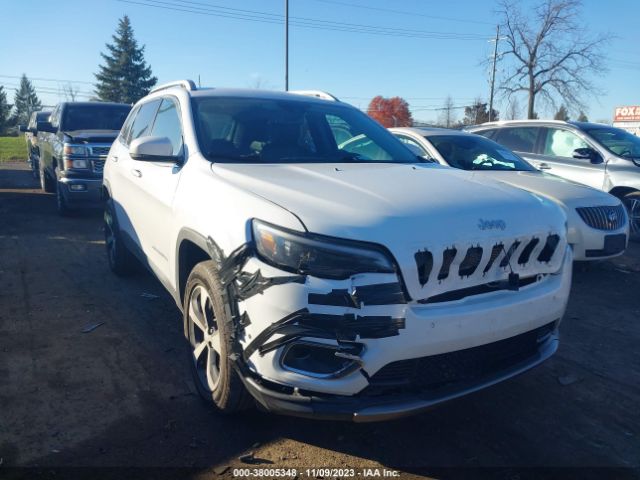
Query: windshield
617, 141
473, 152
254, 130
94, 117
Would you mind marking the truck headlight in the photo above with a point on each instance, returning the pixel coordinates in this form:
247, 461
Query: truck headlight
78, 150
316, 255
75, 163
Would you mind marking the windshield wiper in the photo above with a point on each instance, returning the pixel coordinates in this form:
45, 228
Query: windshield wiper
233, 158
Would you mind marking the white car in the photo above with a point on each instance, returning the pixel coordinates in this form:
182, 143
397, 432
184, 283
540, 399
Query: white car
598, 224
319, 282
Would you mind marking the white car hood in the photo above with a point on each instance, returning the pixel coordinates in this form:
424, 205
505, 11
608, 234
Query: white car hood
376, 202
558, 189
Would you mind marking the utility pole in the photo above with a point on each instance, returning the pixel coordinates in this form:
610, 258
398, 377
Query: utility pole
493, 74
286, 45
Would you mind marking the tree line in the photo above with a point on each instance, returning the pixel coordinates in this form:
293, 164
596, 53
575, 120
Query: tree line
123, 77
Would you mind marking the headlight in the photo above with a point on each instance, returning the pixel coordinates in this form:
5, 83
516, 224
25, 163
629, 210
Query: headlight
75, 150
75, 164
324, 257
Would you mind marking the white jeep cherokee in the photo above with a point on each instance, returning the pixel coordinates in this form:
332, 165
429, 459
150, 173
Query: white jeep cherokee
325, 282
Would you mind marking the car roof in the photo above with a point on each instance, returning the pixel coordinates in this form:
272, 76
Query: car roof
522, 123
431, 131
102, 104
260, 94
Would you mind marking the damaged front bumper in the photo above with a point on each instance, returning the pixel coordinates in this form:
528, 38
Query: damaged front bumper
360, 349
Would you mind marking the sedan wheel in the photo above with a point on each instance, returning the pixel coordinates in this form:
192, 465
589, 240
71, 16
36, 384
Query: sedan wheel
632, 204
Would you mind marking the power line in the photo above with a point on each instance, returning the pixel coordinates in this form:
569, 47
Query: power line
304, 22
47, 79
404, 12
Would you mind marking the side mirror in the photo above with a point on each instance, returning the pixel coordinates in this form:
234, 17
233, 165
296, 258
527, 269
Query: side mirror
588, 154
23, 129
46, 127
153, 149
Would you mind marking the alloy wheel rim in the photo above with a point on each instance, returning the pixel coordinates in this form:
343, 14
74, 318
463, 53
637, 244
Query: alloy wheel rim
109, 238
633, 208
204, 337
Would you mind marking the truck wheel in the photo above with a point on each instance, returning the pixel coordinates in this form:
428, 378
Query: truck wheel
61, 203
46, 183
210, 341
632, 204
35, 167
121, 260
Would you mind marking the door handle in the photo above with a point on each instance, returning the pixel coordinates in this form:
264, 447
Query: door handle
544, 166
136, 173
114, 158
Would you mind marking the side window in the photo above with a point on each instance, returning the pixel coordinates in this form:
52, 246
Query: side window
414, 146
487, 133
168, 125
55, 117
125, 133
562, 143
519, 139
143, 121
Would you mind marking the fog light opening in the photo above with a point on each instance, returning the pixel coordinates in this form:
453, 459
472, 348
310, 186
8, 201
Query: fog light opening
320, 360
78, 187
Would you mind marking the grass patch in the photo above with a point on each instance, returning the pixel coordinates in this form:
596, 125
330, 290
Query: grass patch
13, 148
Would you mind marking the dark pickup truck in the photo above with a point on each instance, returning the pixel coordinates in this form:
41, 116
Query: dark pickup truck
31, 136
74, 145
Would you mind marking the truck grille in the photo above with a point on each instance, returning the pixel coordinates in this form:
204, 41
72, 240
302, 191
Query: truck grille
98, 166
100, 151
471, 364
603, 218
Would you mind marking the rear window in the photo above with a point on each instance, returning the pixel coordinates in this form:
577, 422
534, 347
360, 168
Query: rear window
94, 117
518, 139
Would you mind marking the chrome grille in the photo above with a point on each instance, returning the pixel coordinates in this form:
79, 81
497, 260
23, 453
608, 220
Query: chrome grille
603, 218
100, 151
98, 166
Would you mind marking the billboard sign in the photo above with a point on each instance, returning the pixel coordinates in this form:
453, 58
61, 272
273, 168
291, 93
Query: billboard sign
627, 114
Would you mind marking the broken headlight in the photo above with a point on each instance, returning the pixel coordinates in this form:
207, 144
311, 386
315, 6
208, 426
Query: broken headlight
316, 255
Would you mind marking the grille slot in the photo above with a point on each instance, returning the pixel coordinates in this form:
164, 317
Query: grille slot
98, 166
471, 262
526, 252
603, 218
507, 258
495, 252
549, 248
424, 262
447, 259
100, 151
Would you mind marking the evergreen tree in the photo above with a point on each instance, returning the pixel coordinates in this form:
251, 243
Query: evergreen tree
4, 111
125, 76
582, 117
25, 102
562, 114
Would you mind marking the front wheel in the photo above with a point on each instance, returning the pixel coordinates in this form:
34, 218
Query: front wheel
631, 202
61, 203
210, 341
46, 183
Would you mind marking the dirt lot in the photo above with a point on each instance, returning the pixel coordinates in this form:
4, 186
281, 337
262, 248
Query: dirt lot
121, 394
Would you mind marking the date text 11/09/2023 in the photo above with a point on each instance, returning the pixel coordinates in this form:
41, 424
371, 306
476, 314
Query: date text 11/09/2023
315, 473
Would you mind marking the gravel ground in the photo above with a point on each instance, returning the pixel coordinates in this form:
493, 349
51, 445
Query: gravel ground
121, 395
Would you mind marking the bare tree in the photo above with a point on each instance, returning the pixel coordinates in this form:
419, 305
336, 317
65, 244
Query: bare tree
513, 109
70, 92
550, 54
447, 114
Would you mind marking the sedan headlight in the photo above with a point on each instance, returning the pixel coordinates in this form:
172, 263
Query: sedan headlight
316, 255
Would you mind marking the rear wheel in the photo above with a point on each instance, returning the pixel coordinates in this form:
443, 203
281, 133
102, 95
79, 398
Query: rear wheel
121, 261
210, 341
631, 202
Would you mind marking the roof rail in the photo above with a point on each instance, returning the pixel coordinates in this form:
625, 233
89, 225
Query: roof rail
315, 93
188, 85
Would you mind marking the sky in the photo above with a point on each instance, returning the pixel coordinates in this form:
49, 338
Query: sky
428, 49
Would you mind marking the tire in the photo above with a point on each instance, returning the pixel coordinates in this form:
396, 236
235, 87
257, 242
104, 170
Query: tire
210, 342
46, 183
121, 261
35, 167
631, 202
61, 203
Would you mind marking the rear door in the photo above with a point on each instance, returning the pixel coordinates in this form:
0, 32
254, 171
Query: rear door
556, 150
